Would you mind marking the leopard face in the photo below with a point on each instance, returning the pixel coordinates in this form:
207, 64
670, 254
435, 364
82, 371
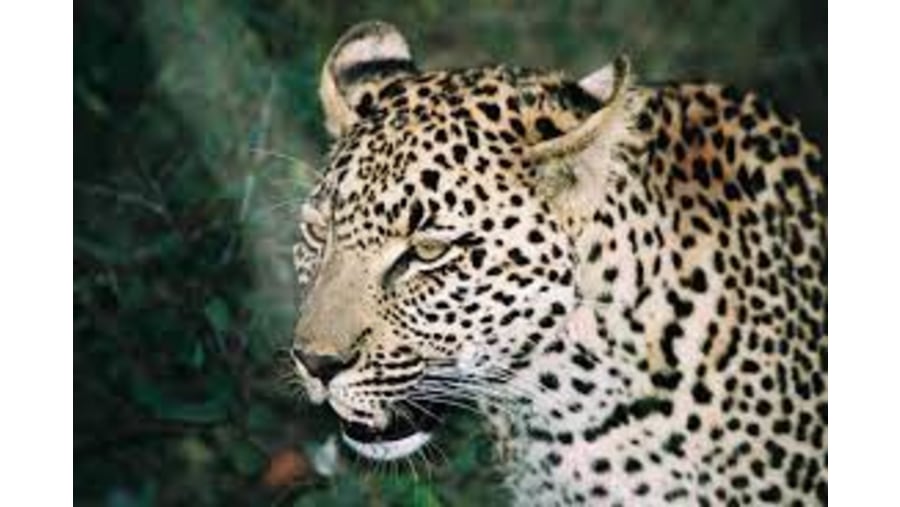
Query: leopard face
427, 254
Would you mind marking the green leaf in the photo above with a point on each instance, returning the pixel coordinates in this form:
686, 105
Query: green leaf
424, 495
218, 315
246, 458
211, 410
261, 418
198, 356
346, 492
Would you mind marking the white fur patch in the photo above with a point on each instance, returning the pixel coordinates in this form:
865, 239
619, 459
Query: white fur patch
383, 44
388, 451
581, 324
600, 83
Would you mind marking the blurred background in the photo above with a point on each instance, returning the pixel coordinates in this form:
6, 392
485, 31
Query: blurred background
197, 127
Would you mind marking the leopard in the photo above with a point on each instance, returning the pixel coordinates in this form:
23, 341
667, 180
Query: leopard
627, 282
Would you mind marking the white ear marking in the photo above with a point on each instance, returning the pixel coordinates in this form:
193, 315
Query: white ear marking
600, 83
377, 42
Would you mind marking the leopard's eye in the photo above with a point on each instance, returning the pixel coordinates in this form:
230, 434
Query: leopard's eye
429, 249
313, 224
318, 232
423, 252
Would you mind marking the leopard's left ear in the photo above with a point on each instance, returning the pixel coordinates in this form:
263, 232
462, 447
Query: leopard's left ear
568, 160
366, 53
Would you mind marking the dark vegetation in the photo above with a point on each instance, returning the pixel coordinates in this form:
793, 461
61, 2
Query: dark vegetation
197, 130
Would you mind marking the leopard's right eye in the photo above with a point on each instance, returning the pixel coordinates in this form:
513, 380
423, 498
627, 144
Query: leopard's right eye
429, 250
422, 254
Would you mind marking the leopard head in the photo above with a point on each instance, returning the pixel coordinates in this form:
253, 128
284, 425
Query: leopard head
437, 253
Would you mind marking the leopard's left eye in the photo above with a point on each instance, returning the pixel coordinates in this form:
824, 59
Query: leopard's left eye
429, 249
317, 232
313, 224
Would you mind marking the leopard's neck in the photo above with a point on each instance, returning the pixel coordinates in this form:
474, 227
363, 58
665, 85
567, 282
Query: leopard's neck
600, 372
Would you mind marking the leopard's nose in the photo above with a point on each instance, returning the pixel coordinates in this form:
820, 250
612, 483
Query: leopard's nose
322, 366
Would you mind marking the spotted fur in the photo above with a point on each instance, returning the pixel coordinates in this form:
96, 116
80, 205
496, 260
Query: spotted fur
642, 321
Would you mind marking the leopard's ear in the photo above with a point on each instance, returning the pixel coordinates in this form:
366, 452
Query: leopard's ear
563, 161
368, 52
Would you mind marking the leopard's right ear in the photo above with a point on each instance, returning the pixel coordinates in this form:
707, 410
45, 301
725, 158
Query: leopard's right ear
368, 52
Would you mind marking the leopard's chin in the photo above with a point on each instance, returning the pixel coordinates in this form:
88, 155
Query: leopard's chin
409, 431
388, 450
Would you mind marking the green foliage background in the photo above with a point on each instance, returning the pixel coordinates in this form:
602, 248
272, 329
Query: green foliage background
197, 129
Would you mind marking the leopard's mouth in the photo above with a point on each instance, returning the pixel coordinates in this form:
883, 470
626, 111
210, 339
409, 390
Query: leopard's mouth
409, 430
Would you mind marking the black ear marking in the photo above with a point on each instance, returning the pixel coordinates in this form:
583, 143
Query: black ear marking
376, 70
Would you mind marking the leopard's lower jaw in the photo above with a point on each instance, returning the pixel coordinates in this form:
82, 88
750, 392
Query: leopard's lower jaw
403, 436
388, 450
